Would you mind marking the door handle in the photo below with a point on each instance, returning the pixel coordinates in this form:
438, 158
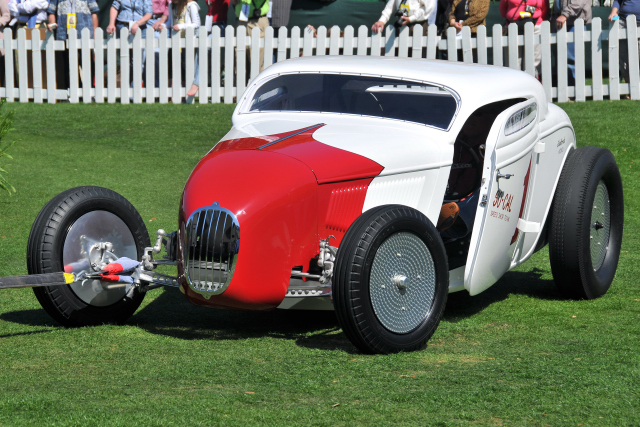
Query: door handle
505, 176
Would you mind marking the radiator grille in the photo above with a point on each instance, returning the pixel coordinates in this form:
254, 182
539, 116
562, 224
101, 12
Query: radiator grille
212, 242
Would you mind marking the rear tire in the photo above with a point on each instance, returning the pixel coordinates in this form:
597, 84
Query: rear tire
587, 217
59, 240
391, 280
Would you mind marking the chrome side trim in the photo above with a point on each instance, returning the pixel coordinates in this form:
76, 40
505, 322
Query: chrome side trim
289, 136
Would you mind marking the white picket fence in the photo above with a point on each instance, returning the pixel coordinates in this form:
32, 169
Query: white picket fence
229, 53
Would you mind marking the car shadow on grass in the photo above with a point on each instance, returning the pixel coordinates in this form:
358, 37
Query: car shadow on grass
461, 305
170, 314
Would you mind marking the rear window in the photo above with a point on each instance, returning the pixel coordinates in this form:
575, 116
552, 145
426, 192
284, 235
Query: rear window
369, 96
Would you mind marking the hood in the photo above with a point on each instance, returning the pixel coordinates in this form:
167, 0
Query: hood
328, 163
327, 143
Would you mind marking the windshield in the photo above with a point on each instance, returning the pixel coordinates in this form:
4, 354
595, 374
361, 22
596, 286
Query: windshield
369, 96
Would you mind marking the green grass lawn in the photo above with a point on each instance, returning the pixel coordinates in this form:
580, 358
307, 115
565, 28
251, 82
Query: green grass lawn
517, 354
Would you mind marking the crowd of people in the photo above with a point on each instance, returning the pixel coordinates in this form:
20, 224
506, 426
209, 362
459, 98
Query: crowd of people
151, 16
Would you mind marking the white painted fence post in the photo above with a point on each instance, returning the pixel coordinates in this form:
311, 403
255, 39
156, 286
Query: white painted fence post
529, 49
189, 53
403, 42
497, 45
561, 41
176, 68
36, 61
98, 50
124, 66
112, 68
512, 40
74, 83
416, 42
614, 58
349, 39
596, 59
203, 65
334, 41
241, 72
481, 44
229, 66
23, 86
545, 41
634, 69
282, 44
87, 82
137, 67
50, 44
580, 59
452, 50
255, 56
321, 41
390, 41
432, 42
216, 65
296, 44
467, 51
150, 66
164, 44
363, 37
268, 50
376, 44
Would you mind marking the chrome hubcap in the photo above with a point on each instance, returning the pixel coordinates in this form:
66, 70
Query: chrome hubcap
600, 226
402, 282
90, 228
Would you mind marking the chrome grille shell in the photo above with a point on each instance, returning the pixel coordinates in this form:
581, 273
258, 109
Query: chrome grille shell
211, 246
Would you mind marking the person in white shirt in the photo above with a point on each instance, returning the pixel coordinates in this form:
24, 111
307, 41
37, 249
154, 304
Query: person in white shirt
29, 13
408, 12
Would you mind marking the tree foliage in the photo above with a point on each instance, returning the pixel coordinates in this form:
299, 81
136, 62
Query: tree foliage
6, 121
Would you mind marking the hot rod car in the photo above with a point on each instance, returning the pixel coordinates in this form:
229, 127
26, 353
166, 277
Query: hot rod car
370, 186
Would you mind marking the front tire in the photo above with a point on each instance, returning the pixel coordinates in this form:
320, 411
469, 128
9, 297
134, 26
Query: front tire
587, 219
60, 240
391, 281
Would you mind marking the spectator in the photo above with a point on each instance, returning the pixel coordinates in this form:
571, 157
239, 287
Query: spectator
66, 14
130, 14
622, 10
78, 14
251, 14
29, 13
280, 14
409, 12
186, 14
468, 13
565, 12
133, 15
159, 18
520, 12
217, 14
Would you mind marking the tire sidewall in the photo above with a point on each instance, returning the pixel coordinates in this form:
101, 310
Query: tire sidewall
598, 282
351, 287
67, 208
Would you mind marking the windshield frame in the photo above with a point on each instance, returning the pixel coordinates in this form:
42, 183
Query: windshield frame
245, 104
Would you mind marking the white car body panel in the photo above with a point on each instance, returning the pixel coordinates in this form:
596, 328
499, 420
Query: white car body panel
417, 158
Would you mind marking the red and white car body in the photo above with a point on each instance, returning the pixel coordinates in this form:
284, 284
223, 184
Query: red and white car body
291, 179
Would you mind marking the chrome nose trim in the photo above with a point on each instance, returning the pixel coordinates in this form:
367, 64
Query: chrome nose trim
212, 243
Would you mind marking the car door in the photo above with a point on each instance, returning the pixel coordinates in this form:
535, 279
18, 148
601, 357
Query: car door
507, 164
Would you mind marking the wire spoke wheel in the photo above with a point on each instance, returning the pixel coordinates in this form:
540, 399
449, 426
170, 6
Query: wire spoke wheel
391, 282
402, 283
